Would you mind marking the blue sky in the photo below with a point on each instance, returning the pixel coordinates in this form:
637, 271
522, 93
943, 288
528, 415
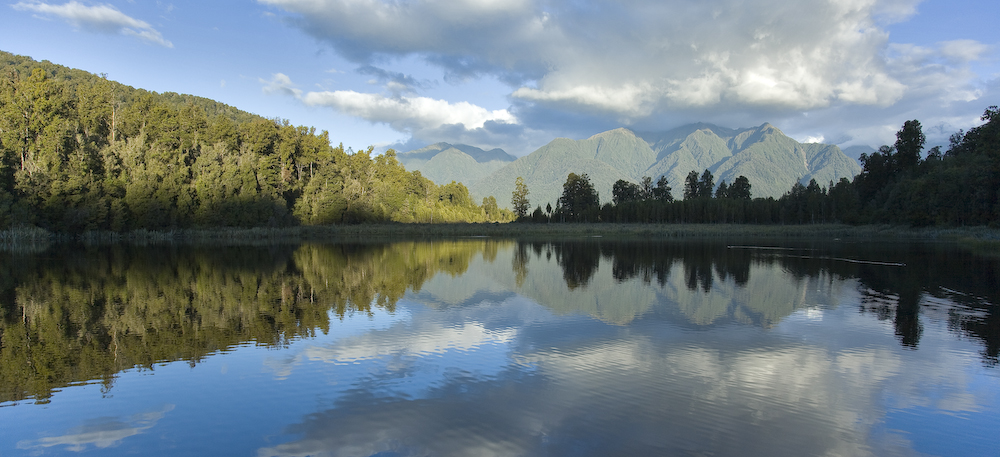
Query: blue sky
517, 73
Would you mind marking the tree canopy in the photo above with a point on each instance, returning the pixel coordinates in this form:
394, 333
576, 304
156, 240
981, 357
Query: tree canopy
79, 152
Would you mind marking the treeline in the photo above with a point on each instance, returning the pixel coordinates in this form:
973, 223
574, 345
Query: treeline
899, 184
79, 152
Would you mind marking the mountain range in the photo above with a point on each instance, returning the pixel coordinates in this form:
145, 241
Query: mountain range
772, 161
444, 163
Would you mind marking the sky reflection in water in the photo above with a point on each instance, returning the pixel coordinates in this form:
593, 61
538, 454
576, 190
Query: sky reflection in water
569, 349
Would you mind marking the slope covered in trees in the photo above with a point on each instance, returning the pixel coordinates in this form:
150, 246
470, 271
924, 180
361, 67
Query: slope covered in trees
79, 152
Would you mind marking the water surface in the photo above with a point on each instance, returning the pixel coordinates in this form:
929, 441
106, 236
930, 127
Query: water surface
496, 347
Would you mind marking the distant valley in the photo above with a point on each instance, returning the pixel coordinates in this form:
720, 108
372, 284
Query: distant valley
772, 161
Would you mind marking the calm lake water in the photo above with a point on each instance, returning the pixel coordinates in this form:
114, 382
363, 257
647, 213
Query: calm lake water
481, 347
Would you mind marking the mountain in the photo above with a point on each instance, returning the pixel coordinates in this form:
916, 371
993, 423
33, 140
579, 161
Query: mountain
855, 152
444, 163
772, 161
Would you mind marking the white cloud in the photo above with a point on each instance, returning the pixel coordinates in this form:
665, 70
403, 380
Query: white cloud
407, 114
404, 113
281, 84
100, 18
654, 64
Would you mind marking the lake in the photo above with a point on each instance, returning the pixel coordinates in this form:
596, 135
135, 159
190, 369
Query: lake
483, 347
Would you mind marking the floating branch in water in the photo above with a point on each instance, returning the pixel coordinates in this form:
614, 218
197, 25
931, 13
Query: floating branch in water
841, 259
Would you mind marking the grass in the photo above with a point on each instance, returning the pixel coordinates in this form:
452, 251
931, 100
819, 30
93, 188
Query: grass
25, 239
982, 239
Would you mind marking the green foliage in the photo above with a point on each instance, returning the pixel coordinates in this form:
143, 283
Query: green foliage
519, 198
579, 201
81, 153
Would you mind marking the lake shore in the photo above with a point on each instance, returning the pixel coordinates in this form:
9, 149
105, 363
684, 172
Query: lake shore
978, 237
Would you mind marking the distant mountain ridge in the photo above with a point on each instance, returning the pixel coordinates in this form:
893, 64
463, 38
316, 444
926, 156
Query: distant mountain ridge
772, 161
444, 162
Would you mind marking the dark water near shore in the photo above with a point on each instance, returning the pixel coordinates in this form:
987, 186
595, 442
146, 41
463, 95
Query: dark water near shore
495, 347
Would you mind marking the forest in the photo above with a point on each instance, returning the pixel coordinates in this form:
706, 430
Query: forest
898, 184
79, 152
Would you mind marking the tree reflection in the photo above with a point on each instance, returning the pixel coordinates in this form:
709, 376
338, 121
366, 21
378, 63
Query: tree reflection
896, 279
74, 316
70, 316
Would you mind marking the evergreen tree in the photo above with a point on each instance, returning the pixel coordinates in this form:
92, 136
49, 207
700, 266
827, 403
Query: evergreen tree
691, 188
519, 198
579, 199
740, 190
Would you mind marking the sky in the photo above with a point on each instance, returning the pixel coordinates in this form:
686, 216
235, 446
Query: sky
516, 74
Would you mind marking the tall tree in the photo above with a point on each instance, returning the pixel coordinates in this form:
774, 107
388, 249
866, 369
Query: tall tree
909, 143
706, 185
740, 190
519, 198
662, 191
691, 188
579, 197
624, 191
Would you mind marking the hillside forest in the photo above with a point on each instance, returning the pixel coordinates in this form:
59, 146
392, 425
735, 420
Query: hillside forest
79, 152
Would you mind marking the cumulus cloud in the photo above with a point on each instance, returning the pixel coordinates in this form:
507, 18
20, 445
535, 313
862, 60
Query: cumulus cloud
395, 82
654, 63
100, 18
425, 119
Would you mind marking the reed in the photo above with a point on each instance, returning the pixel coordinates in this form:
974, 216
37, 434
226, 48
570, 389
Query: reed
541, 231
25, 239
981, 239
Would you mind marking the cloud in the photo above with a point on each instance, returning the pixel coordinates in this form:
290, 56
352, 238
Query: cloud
395, 82
100, 18
654, 64
425, 119
407, 113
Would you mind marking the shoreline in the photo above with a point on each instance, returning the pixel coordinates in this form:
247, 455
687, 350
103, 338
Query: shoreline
23, 237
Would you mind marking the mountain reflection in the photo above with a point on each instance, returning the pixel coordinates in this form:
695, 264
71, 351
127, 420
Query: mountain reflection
79, 315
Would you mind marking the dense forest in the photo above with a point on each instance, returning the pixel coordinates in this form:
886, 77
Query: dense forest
898, 184
79, 152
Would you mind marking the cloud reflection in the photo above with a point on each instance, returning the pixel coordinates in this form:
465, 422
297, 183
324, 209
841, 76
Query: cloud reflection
102, 432
800, 386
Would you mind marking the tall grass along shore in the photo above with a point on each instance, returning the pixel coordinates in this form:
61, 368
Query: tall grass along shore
34, 238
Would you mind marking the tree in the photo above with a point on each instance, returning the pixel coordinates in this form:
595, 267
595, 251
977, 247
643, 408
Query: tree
646, 188
519, 198
578, 196
706, 185
624, 191
662, 191
723, 190
909, 142
691, 185
740, 190
491, 209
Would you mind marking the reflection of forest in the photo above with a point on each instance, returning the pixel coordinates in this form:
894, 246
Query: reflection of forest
71, 316
713, 283
74, 316
702, 282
